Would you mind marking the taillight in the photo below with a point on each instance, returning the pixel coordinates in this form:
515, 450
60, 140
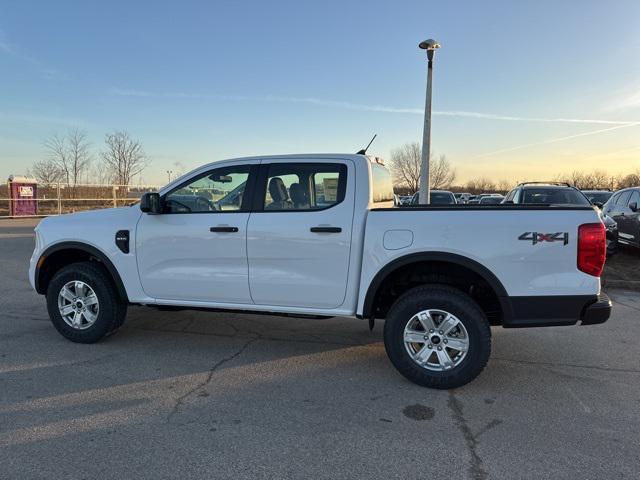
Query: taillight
592, 248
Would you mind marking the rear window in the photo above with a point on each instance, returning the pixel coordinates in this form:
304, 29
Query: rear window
442, 198
555, 196
382, 186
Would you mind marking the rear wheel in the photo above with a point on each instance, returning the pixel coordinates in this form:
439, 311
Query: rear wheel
437, 337
83, 304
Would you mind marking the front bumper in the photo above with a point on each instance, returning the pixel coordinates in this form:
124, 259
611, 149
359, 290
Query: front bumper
597, 312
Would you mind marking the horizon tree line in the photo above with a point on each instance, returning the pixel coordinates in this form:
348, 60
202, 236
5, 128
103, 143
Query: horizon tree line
405, 163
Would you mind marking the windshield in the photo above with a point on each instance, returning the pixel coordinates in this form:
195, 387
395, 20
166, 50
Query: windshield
599, 197
556, 196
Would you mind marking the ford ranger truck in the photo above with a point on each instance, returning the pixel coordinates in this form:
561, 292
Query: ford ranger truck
318, 235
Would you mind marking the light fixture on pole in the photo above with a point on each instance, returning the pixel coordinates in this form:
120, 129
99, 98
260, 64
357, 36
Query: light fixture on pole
424, 196
169, 172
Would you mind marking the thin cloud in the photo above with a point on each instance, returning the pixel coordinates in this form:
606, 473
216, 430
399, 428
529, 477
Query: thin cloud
12, 50
558, 139
628, 100
362, 107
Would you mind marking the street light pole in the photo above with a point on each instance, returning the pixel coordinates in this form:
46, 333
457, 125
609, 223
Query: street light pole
424, 196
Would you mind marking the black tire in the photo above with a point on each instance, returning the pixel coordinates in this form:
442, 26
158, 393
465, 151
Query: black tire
457, 303
112, 309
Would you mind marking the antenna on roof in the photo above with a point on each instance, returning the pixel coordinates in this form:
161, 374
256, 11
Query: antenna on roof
364, 150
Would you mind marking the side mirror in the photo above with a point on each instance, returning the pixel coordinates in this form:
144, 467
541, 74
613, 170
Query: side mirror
150, 203
633, 206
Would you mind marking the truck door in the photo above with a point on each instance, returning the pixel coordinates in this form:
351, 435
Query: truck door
196, 249
299, 233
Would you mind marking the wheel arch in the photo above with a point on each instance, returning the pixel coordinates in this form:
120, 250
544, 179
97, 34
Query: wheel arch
432, 258
60, 254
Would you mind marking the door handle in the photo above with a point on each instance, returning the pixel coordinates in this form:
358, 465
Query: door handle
325, 229
223, 229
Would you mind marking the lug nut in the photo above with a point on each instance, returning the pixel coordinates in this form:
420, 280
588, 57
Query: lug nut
429, 346
431, 330
445, 341
439, 348
440, 332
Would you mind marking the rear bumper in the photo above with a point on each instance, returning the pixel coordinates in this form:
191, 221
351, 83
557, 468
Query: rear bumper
550, 311
597, 312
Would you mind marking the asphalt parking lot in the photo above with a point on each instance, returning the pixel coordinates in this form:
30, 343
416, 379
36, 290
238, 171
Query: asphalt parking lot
212, 395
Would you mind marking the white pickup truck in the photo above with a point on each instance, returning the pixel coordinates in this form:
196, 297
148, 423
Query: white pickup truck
318, 235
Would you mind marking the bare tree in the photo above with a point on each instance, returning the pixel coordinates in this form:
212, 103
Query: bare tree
405, 166
100, 174
504, 186
630, 180
480, 185
71, 154
441, 175
124, 157
45, 171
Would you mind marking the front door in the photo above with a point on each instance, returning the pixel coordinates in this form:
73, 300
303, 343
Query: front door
196, 249
618, 211
299, 234
630, 227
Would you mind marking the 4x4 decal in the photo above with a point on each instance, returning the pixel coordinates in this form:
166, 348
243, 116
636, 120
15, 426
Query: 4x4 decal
536, 237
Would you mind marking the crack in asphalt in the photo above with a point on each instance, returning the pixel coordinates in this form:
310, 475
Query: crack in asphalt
180, 401
549, 364
476, 469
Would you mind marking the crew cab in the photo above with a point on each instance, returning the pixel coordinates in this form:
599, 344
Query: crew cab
317, 235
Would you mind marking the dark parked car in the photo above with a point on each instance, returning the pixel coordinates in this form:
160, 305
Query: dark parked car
553, 193
491, 200
623, 208
598, 197
438, 197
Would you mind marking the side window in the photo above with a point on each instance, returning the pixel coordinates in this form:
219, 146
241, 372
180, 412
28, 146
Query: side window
635, 197
613, 200
300, 186
510, 195
220, 190
623, 199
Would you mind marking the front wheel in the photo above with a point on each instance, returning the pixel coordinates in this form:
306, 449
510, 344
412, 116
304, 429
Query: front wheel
437, 337
83, 303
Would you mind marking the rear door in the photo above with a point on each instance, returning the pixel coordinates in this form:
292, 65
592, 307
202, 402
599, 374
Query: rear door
299, 233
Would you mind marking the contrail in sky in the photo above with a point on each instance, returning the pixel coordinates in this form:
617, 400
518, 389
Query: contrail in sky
558, 139
364, 107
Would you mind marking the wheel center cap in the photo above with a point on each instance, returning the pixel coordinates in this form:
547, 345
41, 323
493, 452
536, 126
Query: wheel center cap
79, 304
435, 340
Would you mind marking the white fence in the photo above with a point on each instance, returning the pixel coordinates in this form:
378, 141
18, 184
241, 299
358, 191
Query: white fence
59, 198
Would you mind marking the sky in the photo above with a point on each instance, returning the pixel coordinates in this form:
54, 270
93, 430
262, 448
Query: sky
522, 90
